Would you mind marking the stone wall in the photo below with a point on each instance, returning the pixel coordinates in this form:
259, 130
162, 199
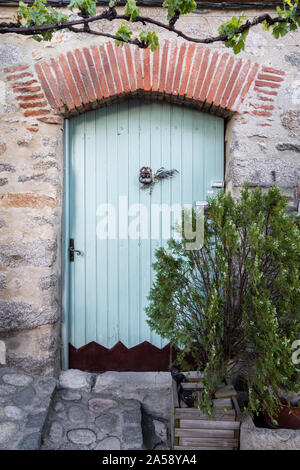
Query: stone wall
262, 145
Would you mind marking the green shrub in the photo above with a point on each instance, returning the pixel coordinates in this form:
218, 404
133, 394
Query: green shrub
237, 299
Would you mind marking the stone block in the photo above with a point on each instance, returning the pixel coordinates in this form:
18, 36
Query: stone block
37, 253
151, 389
253, 438
75, 380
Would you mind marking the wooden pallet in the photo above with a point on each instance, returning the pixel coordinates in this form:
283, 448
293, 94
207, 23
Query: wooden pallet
193, 430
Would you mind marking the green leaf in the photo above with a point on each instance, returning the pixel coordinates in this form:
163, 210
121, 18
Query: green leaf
123, 32
150, 38
132, 10
182, 6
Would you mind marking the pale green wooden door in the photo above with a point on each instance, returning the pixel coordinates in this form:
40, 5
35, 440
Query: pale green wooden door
109, 283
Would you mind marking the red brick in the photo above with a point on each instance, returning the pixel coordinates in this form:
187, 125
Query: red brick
194, 73
231, 83
36, 104
123, 70
224, 81
262, 106
114, 67
34, 201
202, 73
179, 68
100, 71
93, 73
249, 82
52, 82
29, 89
77, 77
45, 86
267, 92
260, 83
138, 68
171, 69
261, 113
32, 129
264, 98
39, 96
216, 79
208, 78
239, 84
16, 68
271, 70
85, 76
163, 67
147, 76
68, 101
36, 112
155, 69
70, 81
107, 72
19, 84
51, 120
19, 76
271, 78
187, 68
263, 124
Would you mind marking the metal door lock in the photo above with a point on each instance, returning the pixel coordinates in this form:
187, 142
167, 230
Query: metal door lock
72, 250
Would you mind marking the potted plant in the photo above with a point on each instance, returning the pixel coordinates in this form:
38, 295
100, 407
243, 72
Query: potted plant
235, 303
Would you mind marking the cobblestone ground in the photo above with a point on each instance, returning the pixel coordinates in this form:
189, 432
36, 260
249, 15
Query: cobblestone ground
83, 411
86, 414
24, 405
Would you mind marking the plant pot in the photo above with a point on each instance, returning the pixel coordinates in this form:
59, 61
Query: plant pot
193, 430
287, 418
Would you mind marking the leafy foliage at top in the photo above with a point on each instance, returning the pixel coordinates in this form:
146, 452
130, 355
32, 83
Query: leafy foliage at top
281, 29
235, 301
132, 10
38, 15
234, 32
86, 7
179, 6
236, 41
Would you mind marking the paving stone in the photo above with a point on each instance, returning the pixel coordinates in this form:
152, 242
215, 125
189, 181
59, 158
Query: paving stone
160, 430
36, 420
70, 395
132, 416
77, 414
7, 390
82, 436
148, 388
14, 412
101, 404
110, 443
7, 430
45, 385
24, 397
107, 423
59, 407
20, 380
31, 442
132, 435
56, 432
75, 380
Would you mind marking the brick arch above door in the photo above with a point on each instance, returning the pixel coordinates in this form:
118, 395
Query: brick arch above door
83, 79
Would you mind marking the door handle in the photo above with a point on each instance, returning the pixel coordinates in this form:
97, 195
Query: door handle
72, 250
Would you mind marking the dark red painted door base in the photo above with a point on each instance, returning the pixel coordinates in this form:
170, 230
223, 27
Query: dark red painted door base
141, 358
